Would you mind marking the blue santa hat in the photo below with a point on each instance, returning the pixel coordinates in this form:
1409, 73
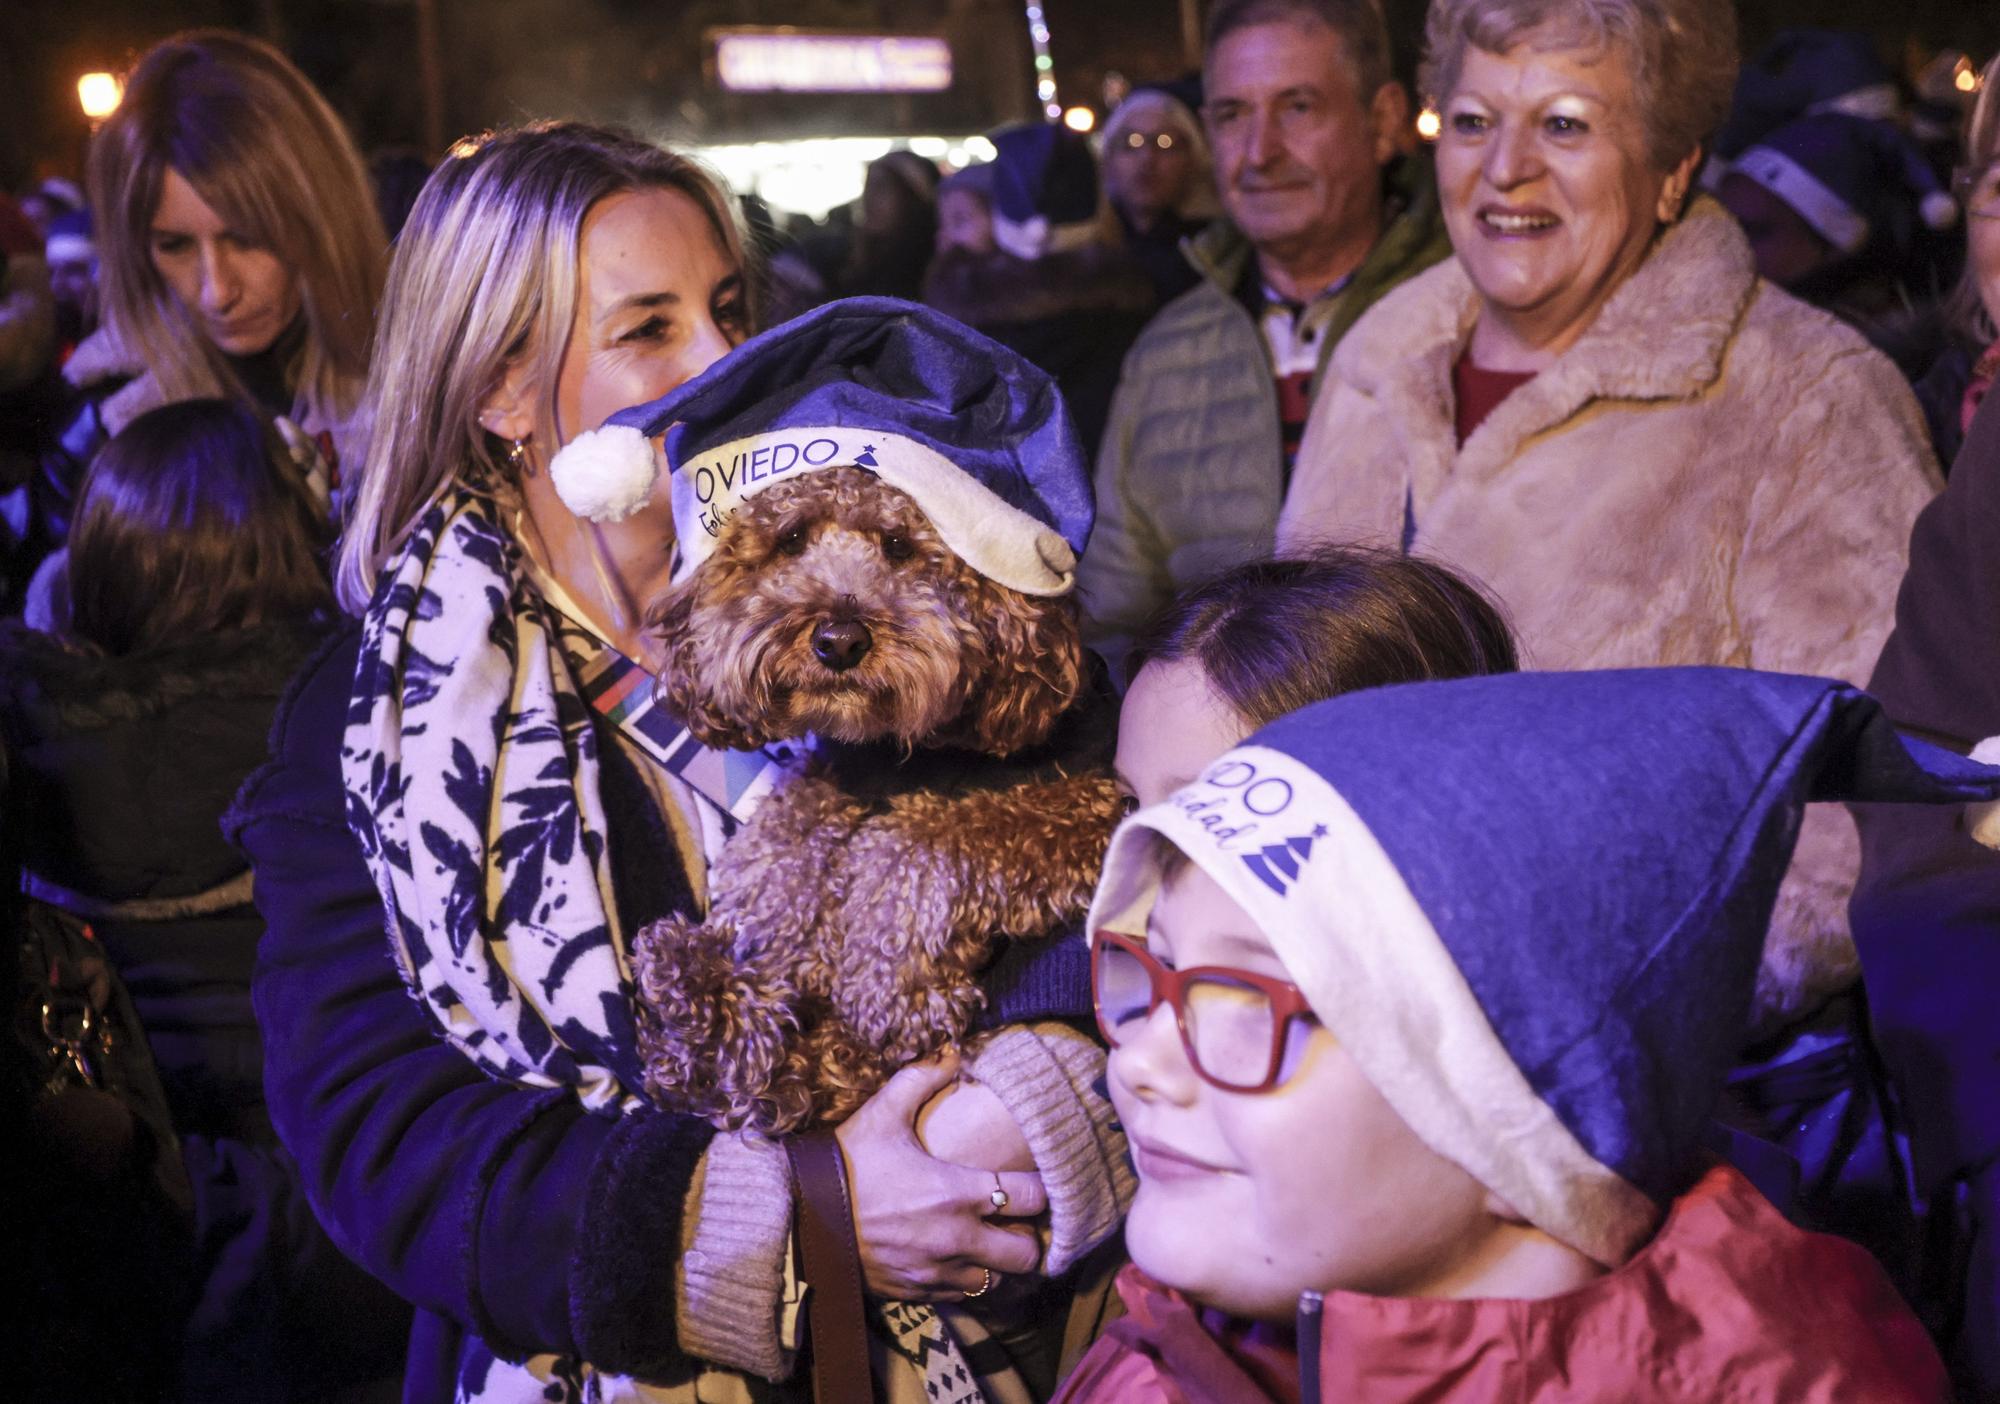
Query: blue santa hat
1531, 907
1853, 179
1045, 191
976, 435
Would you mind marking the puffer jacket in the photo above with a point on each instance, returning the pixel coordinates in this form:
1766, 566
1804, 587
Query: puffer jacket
1715, 473
121, 770
1728, 1302
1190, 472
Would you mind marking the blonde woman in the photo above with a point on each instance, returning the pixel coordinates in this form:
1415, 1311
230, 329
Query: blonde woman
240, 257
479, 1147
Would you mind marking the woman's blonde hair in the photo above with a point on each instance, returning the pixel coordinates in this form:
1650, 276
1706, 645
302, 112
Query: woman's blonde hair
486, 271
1966, 309
261, 147
1683, 54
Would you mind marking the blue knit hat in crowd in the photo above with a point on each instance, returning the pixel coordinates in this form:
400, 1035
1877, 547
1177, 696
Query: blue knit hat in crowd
977, 436
1531, 907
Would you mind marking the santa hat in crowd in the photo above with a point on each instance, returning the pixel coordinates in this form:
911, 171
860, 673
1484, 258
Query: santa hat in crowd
1531, 907
70, 238
1854, 180
1045, 193
976, 435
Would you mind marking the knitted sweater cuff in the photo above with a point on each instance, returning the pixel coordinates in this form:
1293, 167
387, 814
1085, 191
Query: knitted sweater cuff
1051, 1080
734, 1241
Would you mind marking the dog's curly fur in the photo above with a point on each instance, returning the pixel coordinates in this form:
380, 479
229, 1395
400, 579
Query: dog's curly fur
846, 931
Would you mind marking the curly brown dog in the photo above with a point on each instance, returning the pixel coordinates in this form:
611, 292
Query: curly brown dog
941, 815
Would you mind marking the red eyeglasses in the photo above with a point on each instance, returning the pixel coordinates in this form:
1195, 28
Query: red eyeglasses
1235, 1025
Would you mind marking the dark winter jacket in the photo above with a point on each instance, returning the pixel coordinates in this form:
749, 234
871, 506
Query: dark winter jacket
1926, 910
1073, 314
518, 1222
122, 768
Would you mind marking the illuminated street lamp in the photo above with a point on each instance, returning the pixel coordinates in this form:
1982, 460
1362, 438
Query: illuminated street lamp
100, 94
1079, 119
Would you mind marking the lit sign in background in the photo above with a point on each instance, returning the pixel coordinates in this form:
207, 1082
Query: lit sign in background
831, 63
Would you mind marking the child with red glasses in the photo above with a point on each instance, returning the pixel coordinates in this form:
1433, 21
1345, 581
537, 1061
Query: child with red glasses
1420, 1001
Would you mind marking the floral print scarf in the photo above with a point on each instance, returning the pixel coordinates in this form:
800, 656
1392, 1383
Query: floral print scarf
471, 769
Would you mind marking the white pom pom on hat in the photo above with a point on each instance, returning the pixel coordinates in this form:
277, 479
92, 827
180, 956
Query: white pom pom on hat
1939, 210
605, 474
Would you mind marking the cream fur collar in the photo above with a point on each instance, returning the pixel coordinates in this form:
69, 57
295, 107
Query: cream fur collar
1663, 336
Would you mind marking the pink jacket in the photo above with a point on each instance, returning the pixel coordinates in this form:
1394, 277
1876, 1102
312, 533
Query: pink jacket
1729, 1302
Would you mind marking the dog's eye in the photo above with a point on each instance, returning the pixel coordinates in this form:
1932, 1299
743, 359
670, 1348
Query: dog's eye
793, 542
897, 547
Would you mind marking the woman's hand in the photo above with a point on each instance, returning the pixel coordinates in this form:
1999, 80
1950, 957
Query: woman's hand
967, 1125
921, 1222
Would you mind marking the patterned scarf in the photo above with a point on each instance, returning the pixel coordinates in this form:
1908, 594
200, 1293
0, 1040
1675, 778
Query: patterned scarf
471, 773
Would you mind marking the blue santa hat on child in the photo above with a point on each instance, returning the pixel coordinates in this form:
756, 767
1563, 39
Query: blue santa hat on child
1531, 907
978, 438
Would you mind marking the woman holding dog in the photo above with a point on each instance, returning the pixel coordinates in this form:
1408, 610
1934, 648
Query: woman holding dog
1650, 455
561, 1237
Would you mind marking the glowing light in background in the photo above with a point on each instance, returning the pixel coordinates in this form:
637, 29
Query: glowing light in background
1965, 77
1045, 83
814, 175
100, 94
1079, 119
752, 61
1429, 124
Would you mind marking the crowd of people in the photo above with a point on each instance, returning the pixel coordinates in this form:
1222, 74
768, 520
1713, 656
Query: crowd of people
1529, 503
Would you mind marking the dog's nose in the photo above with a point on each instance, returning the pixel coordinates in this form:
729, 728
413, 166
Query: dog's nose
841, 643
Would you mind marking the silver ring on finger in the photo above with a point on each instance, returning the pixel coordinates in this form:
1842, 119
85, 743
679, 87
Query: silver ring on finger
985, 1284
996, 1196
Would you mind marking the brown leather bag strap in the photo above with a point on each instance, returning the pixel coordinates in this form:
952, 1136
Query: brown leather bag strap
832, 1262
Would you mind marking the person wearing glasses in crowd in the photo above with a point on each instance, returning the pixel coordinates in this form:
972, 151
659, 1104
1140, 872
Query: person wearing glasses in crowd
1420, 1001
1162, 186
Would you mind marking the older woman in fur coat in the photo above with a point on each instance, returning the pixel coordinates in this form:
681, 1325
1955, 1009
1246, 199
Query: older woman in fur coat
1599, 410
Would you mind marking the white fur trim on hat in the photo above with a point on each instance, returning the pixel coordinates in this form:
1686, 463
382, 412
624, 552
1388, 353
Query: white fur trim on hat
1034, 238
605, 474
1278, 839
1939, 210
994, 537
1836, 221
69, 248
1983, 820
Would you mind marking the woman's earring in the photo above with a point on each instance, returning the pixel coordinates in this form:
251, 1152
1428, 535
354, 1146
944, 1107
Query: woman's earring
518, 460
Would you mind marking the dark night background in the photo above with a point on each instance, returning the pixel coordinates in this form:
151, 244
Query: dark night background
640, 62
